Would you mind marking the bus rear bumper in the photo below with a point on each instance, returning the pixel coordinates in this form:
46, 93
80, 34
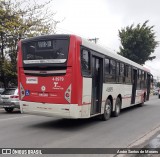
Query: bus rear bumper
72, 111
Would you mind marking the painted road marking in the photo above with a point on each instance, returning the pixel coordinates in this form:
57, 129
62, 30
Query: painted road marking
15, 118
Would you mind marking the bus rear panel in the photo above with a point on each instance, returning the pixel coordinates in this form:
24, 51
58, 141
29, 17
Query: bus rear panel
47, 82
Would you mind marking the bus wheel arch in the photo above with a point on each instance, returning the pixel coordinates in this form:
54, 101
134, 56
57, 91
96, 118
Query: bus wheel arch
107, 109
118, 105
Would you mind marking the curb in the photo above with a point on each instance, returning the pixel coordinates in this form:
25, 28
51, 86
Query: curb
141, 142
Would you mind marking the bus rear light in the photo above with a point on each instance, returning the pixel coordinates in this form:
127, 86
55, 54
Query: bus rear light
22, 92
67, 94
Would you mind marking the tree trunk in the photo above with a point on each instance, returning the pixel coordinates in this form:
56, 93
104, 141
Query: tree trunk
2, 60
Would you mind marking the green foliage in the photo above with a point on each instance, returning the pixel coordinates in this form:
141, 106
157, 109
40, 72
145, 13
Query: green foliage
158, 84
138, 43
10, 73
20, 19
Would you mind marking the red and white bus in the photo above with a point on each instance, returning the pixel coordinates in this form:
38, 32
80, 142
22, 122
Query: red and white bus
70, 77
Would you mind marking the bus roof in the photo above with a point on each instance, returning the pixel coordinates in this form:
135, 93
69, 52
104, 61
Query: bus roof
94, 47
108, 53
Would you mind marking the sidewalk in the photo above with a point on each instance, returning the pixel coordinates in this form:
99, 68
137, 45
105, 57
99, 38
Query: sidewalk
150, 141
153, 143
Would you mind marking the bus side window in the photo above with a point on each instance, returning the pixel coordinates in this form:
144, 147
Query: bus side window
106, 66
106, 70
142, 80
145, 79
117, 72
85, 62
128, 74
113, 67
113, 70
121, 78
139, 80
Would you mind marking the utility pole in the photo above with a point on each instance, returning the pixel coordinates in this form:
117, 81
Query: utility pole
94, 40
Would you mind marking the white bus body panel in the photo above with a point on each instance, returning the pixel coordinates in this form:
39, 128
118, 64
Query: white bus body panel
53, 110
125, 91
113, 90
86, 97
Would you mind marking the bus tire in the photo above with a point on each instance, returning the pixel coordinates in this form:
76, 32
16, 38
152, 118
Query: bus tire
117, 110
107, 110
9, 110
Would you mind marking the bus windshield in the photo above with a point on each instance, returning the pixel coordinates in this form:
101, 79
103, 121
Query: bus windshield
45, 51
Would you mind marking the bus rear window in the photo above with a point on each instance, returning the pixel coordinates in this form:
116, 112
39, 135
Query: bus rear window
45, 51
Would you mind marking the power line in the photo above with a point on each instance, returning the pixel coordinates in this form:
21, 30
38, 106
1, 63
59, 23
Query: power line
94, 40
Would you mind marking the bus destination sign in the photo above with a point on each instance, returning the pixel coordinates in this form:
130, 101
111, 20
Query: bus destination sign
44, 44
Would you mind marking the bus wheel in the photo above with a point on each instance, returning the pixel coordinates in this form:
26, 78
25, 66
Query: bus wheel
107, 110
116, 113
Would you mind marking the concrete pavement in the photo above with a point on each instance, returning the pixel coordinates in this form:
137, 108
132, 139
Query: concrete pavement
135, 127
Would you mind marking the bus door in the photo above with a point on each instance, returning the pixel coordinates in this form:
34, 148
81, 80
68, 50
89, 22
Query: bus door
148, 85
97, 81
134, 86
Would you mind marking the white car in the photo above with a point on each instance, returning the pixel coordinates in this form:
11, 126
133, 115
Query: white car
10, 99
155, 92
1, 90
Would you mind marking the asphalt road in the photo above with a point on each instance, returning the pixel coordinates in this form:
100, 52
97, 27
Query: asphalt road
22, 131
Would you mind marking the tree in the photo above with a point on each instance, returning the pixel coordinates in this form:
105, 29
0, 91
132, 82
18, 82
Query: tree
6, 21
138, 43
20, 19
158, 84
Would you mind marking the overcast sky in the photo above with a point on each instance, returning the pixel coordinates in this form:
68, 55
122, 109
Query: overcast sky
103, 19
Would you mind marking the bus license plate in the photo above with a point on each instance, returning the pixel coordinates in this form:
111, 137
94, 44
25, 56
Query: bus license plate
43, 94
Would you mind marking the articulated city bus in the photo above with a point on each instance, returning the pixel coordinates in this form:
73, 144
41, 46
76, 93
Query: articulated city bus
70, 77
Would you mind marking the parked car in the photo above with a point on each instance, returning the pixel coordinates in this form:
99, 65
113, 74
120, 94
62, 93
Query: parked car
1, 90
10, 99
155, 91
159, 93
